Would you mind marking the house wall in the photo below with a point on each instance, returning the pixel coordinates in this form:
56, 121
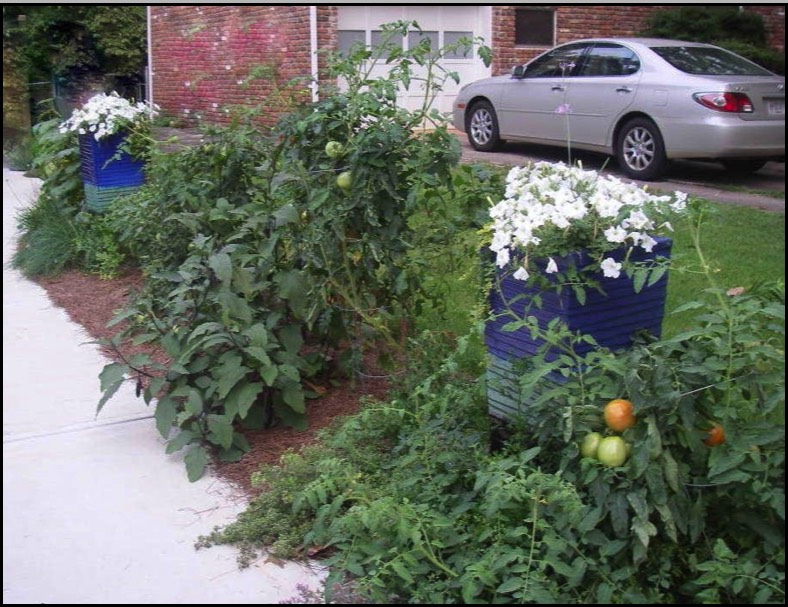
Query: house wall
774, 18
207, 58
572, 22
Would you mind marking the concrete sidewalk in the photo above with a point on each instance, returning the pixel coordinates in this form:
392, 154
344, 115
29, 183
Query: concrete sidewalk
93, 510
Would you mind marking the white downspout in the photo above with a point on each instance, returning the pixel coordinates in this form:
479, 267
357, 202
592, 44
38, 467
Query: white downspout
313, 50
149, 83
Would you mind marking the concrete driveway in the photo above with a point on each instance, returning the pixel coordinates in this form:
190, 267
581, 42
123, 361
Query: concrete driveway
705, 179
94, 512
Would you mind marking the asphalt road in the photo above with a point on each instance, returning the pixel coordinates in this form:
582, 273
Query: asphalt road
705, 179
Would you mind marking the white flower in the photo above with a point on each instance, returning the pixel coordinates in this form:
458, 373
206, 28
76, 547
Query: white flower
615, 234
647, 243
546, 203
610, 268
502, 258
521, 274
105, 115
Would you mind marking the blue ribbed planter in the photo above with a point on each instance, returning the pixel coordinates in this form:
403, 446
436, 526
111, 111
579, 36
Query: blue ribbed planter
611, 319
104, 176
98, 168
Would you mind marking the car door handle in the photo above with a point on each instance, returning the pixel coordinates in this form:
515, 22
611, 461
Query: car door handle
623, 89
558, 87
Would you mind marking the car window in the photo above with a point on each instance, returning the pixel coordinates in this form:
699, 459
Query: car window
607, 59
708, 61
559, 62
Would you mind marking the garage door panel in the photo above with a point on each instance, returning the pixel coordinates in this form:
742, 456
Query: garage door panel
444, 23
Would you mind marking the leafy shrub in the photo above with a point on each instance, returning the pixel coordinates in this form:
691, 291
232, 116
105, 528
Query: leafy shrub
47, 227
405, 499
265, 263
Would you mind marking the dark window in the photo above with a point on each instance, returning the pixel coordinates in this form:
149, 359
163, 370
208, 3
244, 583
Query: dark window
462, 51
534, 27
609, 60
417, 37
562, 62
347, 38
708, 61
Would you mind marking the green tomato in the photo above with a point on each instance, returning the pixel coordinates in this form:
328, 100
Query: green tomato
334, 149
612, 451
345, 180
590, 444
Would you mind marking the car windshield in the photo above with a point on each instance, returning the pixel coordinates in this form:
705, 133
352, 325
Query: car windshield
708, 61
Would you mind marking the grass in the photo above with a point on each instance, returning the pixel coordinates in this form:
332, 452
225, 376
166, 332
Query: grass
743, 247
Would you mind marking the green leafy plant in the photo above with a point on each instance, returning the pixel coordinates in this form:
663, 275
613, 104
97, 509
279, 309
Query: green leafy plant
263, 267
47, 226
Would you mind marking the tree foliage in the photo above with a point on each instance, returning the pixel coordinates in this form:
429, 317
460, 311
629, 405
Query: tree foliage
73, 41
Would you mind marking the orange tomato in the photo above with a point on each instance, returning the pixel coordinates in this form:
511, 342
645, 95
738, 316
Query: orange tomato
715, 436
619, 415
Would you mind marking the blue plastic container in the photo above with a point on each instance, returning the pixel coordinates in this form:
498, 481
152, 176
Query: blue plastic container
101, 170
612, 318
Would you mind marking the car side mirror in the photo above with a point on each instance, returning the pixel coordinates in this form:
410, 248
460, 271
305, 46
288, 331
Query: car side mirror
518, 71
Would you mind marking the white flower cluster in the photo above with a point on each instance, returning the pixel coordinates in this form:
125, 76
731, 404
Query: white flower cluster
546, 198
105, 114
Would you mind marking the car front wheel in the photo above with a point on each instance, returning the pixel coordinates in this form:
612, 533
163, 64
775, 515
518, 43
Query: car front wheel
481, 124
640, 150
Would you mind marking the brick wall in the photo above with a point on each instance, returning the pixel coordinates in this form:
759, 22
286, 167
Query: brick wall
572, 23
774, 18
206, 58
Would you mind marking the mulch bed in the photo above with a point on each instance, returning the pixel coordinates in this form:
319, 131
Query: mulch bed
92, 302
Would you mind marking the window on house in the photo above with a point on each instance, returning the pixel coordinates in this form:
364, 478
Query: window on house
415, 38
346, 39
534, 27
461, 52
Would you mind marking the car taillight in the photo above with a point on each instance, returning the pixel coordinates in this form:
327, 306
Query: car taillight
725, 102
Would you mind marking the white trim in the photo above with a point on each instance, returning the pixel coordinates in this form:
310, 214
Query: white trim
313, 50
149, 83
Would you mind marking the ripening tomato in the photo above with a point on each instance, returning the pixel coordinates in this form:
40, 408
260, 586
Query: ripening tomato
715, 436
612, 451
619, 415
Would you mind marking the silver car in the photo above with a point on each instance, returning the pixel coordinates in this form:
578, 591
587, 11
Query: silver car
644, 101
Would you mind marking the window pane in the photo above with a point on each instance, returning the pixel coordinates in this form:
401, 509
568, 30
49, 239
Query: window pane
461, 52
378, 36
534, 27
414, 38
610, 60
346, 38
708, 61
559, 63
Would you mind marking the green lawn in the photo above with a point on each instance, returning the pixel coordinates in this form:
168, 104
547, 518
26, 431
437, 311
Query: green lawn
744, 246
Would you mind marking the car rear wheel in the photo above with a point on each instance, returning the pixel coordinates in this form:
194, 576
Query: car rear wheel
640, 150
743, 166
481, 124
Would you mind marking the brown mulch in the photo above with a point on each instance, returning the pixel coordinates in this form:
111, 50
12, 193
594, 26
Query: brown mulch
93, 302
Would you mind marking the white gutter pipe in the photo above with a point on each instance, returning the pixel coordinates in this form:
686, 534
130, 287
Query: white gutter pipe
313, 50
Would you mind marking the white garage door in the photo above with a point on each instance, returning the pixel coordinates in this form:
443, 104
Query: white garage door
442, 24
